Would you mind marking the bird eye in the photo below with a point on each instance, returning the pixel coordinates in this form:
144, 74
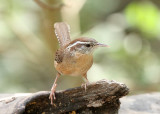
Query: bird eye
88, 45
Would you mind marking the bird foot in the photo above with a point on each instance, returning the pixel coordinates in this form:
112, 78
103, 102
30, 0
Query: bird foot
85, 85
52, 94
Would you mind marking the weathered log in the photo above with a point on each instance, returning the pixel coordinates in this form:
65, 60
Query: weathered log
100, 97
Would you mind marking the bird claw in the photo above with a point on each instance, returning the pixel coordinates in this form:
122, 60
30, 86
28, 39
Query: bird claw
85, 86
52, 94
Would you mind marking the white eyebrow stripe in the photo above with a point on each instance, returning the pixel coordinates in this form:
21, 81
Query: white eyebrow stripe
77, 42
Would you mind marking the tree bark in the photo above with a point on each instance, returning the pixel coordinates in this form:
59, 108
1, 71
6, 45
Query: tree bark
100, 97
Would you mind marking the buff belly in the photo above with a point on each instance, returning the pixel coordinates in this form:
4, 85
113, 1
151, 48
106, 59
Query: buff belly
74, 66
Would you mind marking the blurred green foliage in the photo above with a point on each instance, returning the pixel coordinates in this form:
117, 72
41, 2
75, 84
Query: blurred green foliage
130, 27
143, 16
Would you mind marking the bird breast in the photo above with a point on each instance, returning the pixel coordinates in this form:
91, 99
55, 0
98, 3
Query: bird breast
74, 65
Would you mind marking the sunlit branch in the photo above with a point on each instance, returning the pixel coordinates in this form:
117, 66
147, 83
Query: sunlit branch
48, 7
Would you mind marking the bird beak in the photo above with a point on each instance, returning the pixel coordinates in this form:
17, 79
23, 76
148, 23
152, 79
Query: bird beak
102, 45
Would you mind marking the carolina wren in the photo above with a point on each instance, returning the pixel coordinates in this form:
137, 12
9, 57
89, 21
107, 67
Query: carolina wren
73, 57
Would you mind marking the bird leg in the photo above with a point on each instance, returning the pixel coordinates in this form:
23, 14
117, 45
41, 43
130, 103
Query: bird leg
86, 81
53, 89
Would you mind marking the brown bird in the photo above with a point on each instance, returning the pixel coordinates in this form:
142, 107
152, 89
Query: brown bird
73, 57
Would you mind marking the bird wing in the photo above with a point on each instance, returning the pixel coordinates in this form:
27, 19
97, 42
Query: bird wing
62, 31
59, 56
